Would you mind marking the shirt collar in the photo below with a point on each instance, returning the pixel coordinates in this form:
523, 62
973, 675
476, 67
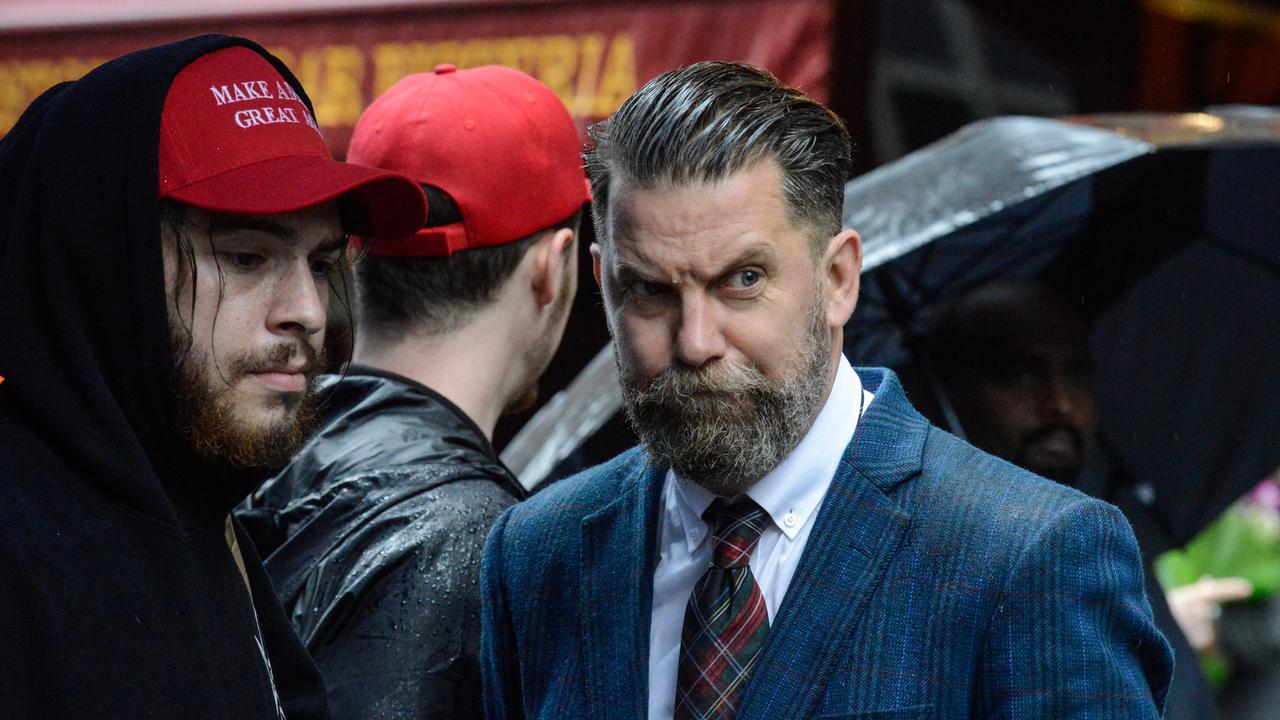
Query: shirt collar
691, 501
791, 492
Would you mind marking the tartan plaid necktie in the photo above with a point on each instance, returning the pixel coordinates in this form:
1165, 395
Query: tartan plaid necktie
726, 622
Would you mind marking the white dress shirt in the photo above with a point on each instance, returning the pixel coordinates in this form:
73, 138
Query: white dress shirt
791, 494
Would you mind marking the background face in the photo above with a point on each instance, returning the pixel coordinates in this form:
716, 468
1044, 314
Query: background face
1029, 399
256, 309
707, 273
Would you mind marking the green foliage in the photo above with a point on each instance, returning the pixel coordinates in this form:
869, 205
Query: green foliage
1244, 542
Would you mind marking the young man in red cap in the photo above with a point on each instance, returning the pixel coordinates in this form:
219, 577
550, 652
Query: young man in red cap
373, 535
170, 222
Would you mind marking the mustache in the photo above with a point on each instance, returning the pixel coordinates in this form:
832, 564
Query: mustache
275, 356
677, 383
1077, 437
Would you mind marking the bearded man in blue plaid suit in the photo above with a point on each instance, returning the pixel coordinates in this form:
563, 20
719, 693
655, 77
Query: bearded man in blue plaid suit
792, 539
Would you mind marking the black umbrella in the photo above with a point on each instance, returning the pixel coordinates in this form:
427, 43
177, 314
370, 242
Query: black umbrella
1165, 227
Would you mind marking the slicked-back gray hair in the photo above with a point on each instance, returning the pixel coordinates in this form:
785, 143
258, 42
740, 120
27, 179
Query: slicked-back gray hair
704, 122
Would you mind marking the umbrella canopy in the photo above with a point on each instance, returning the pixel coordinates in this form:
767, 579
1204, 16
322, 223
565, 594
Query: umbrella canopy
930, 220
1165, 227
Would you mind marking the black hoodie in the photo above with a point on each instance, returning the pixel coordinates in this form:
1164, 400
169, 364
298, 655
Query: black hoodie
119, 594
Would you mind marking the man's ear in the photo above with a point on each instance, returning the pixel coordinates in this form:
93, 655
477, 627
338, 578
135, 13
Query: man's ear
841, 268
549, 257
595, 263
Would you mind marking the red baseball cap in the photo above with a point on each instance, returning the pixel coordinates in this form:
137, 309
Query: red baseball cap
235, 137
499, 142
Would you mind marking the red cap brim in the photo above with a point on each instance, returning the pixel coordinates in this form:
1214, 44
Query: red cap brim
389, 205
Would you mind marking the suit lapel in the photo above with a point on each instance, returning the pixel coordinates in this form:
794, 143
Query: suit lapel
856, 533
617, 596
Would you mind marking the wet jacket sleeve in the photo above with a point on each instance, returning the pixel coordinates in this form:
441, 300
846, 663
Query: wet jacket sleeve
406, 644
1073, 635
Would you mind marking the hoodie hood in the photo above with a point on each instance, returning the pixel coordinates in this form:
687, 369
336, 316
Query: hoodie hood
84, 342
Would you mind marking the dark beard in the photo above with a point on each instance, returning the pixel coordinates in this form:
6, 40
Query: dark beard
1065, 471
209, 421
725, 426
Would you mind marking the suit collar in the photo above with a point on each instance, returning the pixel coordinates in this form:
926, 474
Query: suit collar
889, 445
617, 594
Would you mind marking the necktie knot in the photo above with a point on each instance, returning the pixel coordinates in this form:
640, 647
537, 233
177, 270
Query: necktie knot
735, 530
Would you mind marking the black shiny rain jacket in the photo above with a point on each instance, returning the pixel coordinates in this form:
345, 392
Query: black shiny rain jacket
373, 537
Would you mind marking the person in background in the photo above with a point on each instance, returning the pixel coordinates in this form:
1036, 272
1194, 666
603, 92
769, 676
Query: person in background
373, 535
1014, 362
170, 223
792, 539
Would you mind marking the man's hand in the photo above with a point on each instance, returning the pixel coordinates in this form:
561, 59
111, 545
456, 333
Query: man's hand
1196, 607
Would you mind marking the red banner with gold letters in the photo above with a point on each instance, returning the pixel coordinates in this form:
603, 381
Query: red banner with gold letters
594, 55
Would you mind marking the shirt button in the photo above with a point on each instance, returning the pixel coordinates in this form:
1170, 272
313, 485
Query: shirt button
790, 520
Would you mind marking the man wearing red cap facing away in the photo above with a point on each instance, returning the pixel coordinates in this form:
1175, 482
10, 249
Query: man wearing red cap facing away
168, 227
373, 535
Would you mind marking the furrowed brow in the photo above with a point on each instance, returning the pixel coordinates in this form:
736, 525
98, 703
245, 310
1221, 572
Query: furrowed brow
762, 254
627, 274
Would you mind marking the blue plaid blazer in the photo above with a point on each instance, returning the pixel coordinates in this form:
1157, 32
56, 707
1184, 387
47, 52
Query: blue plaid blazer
938, 582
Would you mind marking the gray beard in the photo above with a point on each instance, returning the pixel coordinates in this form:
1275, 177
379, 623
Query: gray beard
725, 426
